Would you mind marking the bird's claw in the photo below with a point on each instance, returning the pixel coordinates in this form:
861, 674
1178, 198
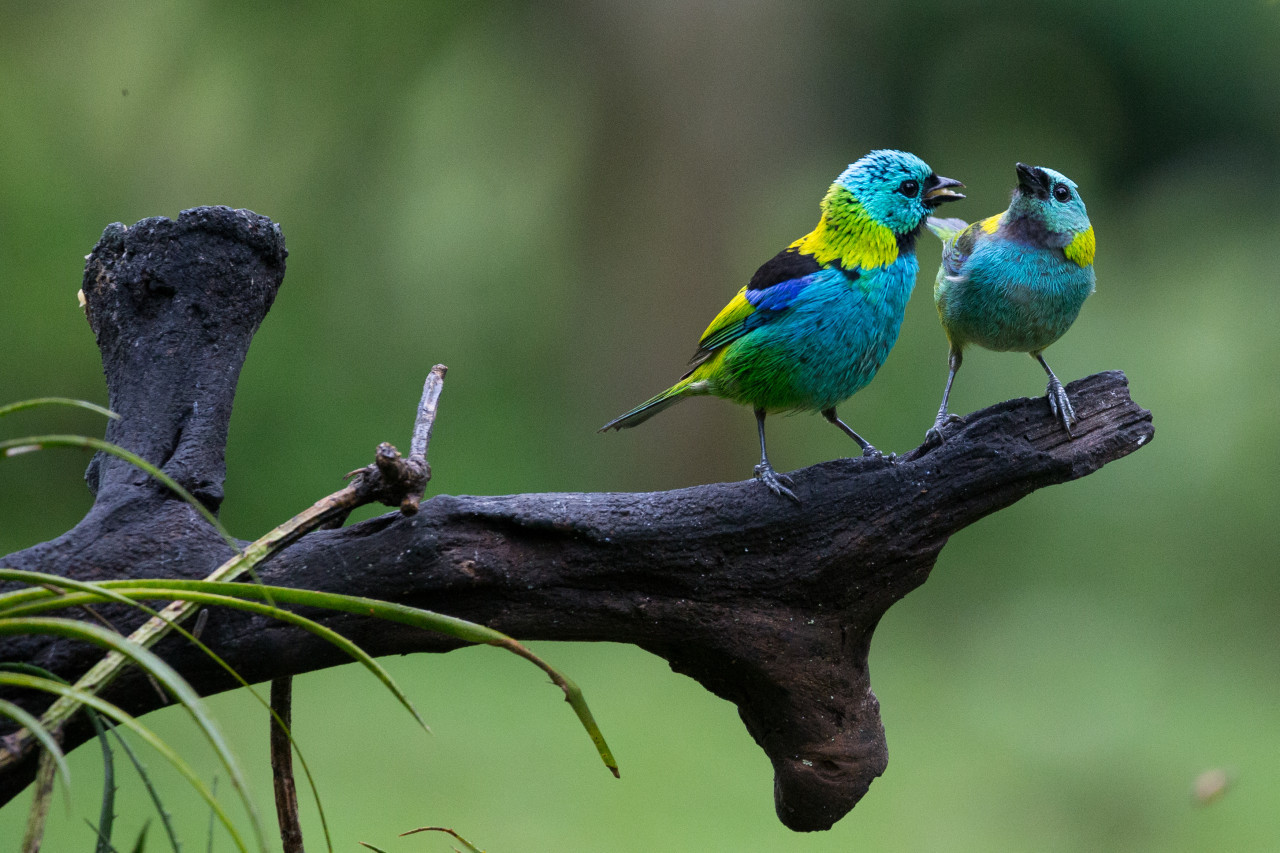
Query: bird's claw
933, 436
779, 484
869, 452
1060, 405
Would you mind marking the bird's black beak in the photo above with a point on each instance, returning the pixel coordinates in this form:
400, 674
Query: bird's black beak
937, 190
1033, 181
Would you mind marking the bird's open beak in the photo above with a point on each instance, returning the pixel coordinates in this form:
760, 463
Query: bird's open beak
1033, 180
938, 190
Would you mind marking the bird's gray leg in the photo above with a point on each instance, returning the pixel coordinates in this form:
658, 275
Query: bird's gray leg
779, 484
867, 449
934, 434
1059, 404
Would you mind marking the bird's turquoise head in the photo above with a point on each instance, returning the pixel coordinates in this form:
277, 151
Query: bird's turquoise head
1051, 197
1048, 205
896, 189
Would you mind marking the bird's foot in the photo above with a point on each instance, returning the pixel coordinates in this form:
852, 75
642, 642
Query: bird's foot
1060, 405
869, 452
779, 484
933, 436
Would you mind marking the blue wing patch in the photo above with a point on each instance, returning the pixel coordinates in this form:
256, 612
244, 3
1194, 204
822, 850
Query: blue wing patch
777, 297
749, 310
773, 289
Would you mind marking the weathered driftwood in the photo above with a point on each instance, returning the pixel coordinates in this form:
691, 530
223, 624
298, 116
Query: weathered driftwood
768, 604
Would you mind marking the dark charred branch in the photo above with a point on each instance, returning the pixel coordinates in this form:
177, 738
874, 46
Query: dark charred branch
768, 604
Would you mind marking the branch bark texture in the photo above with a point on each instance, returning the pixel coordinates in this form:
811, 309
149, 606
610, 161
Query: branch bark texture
768, 604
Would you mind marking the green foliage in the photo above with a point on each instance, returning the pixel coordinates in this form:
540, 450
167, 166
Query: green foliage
41, 734
15, 619
19, 615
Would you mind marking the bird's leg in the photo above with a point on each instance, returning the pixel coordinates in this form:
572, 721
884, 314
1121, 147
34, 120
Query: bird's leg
867, 448
1059, 404
779, 484
934, 434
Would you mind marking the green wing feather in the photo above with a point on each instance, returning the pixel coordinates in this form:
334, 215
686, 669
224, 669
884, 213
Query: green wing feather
729, 324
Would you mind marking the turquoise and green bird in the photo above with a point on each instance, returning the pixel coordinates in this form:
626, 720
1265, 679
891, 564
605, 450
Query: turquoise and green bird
1015, 282
815, 323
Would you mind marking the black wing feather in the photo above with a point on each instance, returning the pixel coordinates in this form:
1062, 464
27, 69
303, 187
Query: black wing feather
788, 264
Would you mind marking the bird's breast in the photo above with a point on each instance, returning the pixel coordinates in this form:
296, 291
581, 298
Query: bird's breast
1010, 296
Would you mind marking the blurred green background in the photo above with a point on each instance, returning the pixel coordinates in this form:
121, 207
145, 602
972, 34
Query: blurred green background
554, 199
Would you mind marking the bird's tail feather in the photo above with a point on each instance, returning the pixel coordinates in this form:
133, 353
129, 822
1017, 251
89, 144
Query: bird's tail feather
946, 229
651, 407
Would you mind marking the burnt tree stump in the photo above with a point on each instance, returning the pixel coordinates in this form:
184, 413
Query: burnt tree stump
766, 603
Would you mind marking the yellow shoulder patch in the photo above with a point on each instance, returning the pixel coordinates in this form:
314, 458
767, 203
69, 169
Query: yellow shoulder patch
991, 224
1081, 248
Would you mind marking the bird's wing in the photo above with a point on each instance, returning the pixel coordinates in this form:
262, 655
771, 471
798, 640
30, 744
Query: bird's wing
958, 249
771, 291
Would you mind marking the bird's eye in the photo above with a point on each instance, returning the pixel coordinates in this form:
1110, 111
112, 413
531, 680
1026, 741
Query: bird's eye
1061, 192
909, 188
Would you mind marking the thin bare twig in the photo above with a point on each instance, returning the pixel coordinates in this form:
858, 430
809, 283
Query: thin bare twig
395, 480
282, 765
388, 476
427, 413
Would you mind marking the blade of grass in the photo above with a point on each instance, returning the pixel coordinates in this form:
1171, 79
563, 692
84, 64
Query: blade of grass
104, 843
166, 819
108, 793
140, 845
106, 708
210, 847
49, 593
106, 814
45, 601
46, 739
55, 401
158, 669
14, 446
471, 848
449, 625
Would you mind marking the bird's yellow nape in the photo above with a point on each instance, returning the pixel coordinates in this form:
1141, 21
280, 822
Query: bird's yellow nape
857, 243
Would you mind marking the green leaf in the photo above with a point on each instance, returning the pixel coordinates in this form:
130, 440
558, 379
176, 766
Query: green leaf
166, 819
471, 848
104, 843
82, 697
448, 625
47, 594
46, 739
56, 401
157, 669
44, 600
15, 446
140, 845
107, 813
